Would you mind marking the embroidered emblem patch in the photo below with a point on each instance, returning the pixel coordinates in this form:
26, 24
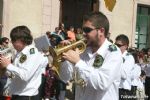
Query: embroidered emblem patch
98, 61
23, 58
112, 48
32, 51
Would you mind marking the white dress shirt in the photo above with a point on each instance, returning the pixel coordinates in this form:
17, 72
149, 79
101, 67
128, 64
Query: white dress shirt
27, 73
126, 71
101, 83
136, 72
147, 69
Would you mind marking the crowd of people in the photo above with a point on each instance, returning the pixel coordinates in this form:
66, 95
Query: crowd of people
64, 36
4, 44
106, 70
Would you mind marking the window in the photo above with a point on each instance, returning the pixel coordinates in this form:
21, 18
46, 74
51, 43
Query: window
142, 39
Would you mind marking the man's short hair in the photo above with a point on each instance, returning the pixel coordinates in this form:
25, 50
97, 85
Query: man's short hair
98, 20
21, 33
123, 38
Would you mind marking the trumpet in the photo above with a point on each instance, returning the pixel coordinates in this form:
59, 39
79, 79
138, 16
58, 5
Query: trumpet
6, 52
57, 52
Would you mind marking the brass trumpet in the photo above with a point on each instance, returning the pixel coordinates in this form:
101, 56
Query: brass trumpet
57, 52
6, 52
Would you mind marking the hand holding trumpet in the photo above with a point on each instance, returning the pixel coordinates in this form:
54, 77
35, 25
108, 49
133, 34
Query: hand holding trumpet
72, 55
4, 62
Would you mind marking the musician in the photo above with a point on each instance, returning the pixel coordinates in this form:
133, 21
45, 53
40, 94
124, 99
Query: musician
97, 70
27, 66
122, 42
4, 42
147, 71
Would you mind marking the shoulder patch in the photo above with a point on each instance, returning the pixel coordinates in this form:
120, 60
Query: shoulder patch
32, 51
23, 58
112, 48
98, 61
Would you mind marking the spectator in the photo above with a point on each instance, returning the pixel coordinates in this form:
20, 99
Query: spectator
4, 42
71, 34
79, 34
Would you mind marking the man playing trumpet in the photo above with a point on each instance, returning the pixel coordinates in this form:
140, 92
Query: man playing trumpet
97, 70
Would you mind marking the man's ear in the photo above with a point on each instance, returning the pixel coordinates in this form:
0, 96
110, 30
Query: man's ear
102, 30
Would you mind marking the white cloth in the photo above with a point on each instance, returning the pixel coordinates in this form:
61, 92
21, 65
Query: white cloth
27, 74
126, 71
136, 72
101, 83
147, 69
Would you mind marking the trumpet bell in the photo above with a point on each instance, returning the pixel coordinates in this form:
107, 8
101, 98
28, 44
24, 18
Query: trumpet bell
57, 52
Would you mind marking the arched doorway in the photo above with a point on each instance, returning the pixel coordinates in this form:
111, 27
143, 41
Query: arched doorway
72, 11
1, 15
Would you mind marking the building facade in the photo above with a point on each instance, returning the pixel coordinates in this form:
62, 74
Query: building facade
130, 17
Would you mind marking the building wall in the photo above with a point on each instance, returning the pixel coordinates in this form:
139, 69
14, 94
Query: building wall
43, 15
39, 15
123, 18
50, 15
1, 13
23, 12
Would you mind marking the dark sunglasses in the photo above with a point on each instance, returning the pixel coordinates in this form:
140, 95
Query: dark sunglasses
119, 45
6, 42
87, 29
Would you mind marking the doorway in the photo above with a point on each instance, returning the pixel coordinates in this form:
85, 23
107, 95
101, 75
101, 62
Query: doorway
72, 11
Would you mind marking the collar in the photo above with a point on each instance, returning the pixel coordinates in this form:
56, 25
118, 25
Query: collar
125, 53
101, 51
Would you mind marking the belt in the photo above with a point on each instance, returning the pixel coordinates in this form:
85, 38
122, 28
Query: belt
123, 89
147, 76
25, 97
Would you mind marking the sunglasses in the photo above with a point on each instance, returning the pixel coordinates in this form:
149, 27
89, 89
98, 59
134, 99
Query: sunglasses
6, 42
87, 29
119, 45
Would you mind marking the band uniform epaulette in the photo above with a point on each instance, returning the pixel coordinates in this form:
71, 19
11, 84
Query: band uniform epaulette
32, 51
112, 48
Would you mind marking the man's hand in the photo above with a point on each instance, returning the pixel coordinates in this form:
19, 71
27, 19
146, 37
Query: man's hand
65, 42
72, 56
4, 62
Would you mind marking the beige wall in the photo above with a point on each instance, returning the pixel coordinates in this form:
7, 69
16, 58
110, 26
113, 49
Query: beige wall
123, 18
39, 15
23, 12
145, 2
1, 13
43, 15
50, 15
